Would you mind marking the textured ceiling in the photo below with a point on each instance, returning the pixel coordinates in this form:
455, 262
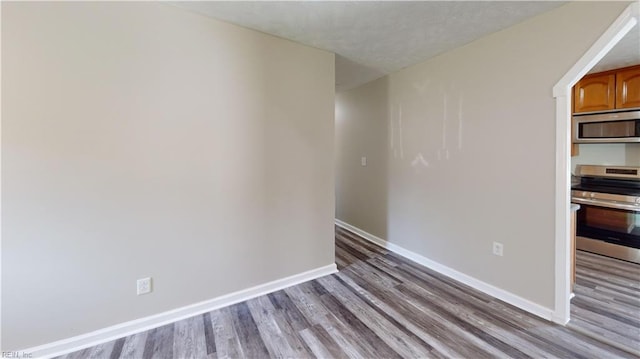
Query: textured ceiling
624, 53
374, 38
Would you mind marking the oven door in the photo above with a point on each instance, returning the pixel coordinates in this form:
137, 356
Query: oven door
605, 222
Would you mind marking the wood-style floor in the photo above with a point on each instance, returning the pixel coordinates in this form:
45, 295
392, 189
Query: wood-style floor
607, 300
379, 305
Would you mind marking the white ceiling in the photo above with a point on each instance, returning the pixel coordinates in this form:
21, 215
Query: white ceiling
624, 53
374, 38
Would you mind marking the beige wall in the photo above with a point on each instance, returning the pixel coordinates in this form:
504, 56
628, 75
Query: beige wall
633, 154
471, 138
361, 131
142, 140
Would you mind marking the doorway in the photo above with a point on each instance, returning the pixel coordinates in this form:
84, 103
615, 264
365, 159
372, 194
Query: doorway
562, 93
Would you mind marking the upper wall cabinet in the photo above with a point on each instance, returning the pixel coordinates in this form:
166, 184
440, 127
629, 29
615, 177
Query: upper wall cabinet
595, 93
628, 88
610, 90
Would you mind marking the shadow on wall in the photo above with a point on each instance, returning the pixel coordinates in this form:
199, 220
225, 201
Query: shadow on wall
376, 133
438, 134
362, 157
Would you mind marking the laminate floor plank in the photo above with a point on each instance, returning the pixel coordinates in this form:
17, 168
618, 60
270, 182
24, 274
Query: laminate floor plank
399, 341
225, 335
352, 237
292, 336
318, 348
607, 300
592, 260
345, 259
209, 336
133, 347
631, 343
439, 341
80, 354
282, 302
340, 327
159, 343
360, 247
117, 349
390, 310
617, 323
106, 350
310, 307
248, 333
615, 284
607, 265
468, 333
382, 305
372, 254
352, 309
335, 350
359, 256
370, 344
343, 327
363, 269
189, 340
264, 314
454, 331
626, 278
347, 339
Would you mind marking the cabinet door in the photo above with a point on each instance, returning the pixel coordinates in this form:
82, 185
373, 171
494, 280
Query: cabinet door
595, 93
628, 88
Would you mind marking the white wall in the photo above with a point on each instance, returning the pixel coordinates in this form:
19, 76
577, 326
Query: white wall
361, 131
618, 154
142, 140
471, 141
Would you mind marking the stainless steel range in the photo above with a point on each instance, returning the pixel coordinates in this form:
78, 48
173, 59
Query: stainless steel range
608, 221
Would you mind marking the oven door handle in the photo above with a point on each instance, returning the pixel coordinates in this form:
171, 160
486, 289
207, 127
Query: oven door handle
608, 204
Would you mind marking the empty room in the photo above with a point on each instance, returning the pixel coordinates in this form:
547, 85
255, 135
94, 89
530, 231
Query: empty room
320, 179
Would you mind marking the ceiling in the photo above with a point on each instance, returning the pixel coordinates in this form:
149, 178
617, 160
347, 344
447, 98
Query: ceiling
624, 53
374, 38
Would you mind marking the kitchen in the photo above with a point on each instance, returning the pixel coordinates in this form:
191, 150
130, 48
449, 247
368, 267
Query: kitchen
605, 196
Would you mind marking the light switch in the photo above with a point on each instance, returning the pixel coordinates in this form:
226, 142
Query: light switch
363, 161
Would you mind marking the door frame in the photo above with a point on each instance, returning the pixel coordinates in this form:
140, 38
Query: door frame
629, 18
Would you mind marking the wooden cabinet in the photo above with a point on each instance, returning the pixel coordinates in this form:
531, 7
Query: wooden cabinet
609, 90
606, 91
595, 93
628, 88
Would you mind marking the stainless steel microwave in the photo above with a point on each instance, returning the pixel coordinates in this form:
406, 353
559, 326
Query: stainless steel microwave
613, 127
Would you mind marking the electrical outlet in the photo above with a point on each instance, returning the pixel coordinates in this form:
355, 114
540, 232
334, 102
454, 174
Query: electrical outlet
498, 248
144, 285
363, 161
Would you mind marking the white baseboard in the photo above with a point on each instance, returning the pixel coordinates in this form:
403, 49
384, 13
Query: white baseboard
139, 325
517, 301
